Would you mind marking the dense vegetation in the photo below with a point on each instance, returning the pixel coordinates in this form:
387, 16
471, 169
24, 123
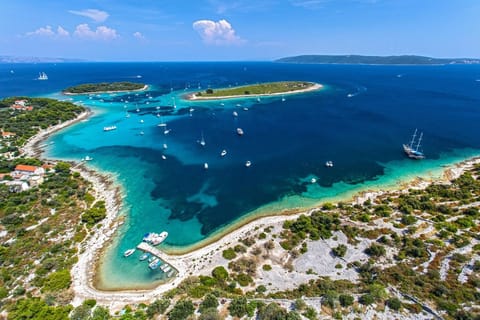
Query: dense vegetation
44, 225
41, 227
358, 59
256, 89
104, 87
24, 124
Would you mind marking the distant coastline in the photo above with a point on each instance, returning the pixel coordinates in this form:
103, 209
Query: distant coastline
312, 87
376, 60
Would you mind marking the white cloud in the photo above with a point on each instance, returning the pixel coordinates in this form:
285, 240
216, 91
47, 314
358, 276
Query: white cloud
220, 32
62, 32
42, 31
47, 31
101, 33
94, 14
139, 35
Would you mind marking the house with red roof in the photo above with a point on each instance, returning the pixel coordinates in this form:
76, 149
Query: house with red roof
6, 134
21, 105
22, 169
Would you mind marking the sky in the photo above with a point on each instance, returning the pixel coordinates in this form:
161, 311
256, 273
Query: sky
226, 30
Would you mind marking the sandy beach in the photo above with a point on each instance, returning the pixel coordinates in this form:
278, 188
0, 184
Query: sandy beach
193, 96
32, 147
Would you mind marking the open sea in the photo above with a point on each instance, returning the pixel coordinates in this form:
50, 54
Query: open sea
359, 120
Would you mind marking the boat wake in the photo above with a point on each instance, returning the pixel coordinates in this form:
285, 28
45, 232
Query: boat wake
358, 90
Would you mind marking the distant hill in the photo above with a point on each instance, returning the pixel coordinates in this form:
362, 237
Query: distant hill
357, 59
15, 59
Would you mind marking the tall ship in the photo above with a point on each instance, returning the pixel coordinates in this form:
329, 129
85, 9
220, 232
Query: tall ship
42, 76
412, 149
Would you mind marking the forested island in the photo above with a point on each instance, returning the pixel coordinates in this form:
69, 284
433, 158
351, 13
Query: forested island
387, 60
255, 90
104, 87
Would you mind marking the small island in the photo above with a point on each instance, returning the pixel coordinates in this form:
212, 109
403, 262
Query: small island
105, 87
256, 90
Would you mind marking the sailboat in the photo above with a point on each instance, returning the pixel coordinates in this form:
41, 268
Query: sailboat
42, 76
412, 150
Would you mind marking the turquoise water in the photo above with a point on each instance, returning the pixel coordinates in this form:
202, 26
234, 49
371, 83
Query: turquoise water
359, 121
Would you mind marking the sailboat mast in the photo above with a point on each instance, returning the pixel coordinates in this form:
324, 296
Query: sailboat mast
413, 139
419, 140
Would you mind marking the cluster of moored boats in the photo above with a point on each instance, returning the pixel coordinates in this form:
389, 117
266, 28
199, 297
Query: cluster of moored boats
201, 142
154, 262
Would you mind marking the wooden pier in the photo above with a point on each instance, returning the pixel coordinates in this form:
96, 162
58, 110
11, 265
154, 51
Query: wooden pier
152, 250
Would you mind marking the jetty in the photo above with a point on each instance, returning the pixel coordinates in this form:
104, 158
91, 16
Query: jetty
152, 250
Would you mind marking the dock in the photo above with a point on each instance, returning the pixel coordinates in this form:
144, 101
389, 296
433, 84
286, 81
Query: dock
152, 250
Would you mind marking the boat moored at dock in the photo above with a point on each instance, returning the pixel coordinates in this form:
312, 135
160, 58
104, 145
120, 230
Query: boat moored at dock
155, 264
155, 238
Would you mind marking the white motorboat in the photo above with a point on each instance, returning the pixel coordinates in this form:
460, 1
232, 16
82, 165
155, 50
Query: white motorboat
129, 252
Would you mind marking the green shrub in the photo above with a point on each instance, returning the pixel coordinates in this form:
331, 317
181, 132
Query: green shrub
57, 281
210, 301
408, 219
240, 249
220, 273
261, 289
267, 267
229, 254
366, 299
238, 307
310, 313
394, 303
181, 310
339, 251
346, 300
157, 307
244, 279
375, 250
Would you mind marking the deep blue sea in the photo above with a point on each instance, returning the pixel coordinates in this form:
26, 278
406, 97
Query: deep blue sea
359, 120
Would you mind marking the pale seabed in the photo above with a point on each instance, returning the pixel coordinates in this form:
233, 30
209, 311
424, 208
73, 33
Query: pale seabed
187, 235
150, 184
